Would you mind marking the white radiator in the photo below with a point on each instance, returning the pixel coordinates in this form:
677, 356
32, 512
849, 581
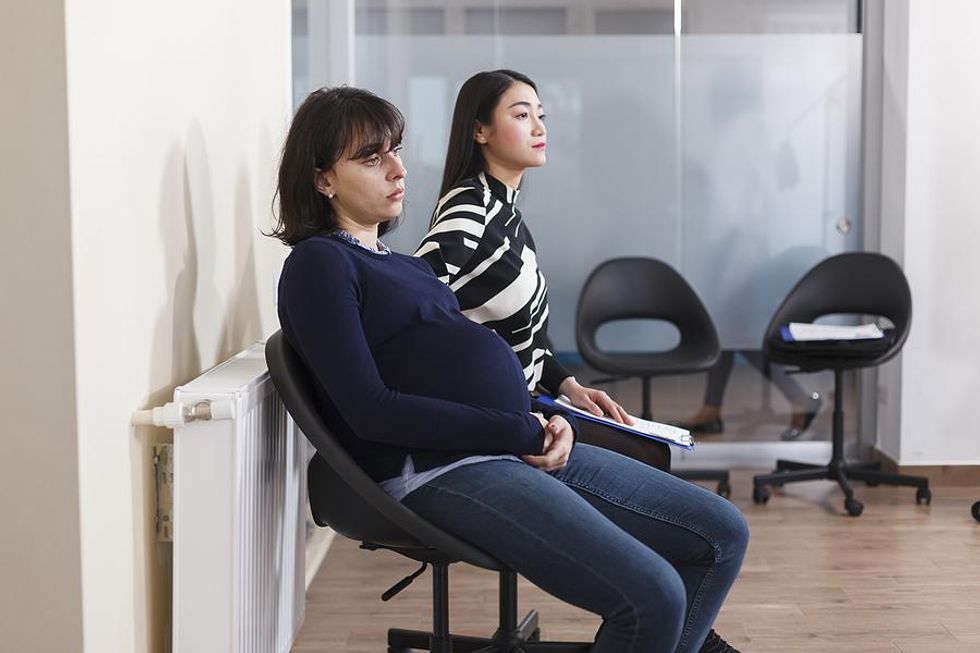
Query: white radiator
239, 532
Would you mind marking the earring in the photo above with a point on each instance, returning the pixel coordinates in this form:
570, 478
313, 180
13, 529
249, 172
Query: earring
330, 196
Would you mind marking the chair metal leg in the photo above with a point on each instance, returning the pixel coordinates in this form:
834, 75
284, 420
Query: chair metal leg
402, 639
465, 644
873, 465
875, 476
792, 476
647, 412
853, 507
840, 475
793, 465
528, 628
441, 642
508, 601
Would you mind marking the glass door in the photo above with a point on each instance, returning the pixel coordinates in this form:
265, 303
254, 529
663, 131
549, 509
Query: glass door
720, 136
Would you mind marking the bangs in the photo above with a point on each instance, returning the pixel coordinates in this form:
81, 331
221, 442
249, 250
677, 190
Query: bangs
370, 128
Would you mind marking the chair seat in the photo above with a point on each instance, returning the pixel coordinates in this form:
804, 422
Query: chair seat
358, 521
829, 354
677, 361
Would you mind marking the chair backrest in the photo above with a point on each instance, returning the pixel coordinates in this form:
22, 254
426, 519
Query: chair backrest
642, 288
342, 495
855, 282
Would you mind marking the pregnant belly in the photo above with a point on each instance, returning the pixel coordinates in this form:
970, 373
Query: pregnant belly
460, 361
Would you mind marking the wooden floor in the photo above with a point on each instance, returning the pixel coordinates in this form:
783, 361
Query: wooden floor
899, 579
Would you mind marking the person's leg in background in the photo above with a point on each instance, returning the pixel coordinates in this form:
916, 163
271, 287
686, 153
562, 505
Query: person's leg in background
708, 418
805, 404
653, 555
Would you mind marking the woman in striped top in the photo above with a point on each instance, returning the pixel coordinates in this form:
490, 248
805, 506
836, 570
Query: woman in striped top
480, 246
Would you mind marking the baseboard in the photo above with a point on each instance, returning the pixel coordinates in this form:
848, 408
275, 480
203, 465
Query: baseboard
938, 475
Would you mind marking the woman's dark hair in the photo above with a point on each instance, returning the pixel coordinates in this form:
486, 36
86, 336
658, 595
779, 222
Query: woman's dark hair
330, 122
476, 101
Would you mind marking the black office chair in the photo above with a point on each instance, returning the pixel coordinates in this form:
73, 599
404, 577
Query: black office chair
345, 498
645, 288
976, 510
862, 283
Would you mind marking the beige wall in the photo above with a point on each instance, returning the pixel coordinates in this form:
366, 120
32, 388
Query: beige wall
144, 270
176, 114
40, 577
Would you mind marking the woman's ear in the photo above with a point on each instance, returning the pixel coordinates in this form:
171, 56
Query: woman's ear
324, 184
480, 132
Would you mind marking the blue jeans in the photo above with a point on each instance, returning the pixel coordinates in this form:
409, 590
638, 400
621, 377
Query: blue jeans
653, 555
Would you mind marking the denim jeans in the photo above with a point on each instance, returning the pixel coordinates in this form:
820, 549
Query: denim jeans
651, 554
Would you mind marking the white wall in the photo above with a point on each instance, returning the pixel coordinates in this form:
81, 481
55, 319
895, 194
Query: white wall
939, 207
891, 159
40, 574
144, 270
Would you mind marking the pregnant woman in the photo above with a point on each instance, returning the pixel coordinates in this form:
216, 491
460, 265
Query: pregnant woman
435, 407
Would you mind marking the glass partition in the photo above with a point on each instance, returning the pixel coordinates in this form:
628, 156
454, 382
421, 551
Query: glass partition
723, 140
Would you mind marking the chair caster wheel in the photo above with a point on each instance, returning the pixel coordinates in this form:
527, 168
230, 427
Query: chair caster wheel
923, 495
853, 507
872, 483
724, 490
976, 510
760, 494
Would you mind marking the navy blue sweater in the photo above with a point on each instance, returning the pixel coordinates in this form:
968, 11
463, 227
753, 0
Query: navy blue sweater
398, 368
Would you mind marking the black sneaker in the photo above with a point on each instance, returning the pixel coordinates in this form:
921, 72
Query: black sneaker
715, 644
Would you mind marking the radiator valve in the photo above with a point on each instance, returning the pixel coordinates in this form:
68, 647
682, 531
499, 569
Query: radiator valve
172, 415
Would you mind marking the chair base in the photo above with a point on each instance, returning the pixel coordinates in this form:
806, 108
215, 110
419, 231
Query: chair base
838, 469
788, 471
525, 639
511, 636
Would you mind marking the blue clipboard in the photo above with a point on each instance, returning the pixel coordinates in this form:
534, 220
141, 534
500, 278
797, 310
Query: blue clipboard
672, 435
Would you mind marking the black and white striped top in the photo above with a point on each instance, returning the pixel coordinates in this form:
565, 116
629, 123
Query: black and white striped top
479, 246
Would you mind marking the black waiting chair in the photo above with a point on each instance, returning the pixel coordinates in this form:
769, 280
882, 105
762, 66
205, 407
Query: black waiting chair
345, 498
861, 283
645, 288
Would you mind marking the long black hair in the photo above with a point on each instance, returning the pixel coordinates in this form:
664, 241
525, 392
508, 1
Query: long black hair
328, 123
476, 101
